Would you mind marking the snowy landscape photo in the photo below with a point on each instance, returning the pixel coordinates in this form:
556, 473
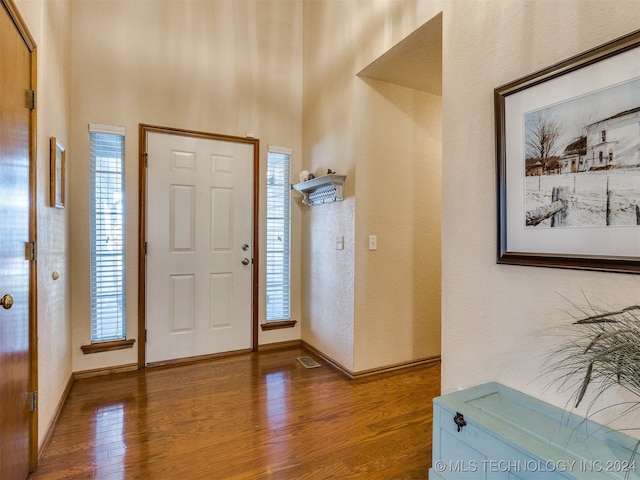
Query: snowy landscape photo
582, 160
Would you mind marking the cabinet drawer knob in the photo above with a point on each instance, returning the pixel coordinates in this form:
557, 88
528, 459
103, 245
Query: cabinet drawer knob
460, 421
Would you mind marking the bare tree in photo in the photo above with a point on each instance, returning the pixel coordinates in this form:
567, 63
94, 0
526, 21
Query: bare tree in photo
543, 133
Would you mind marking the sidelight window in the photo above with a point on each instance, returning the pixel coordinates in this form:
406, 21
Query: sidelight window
107, 233
278, 238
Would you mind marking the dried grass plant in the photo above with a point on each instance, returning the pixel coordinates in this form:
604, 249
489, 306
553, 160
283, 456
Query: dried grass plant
604, 354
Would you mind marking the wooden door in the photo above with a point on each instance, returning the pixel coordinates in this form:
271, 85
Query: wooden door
199, 261
17, 229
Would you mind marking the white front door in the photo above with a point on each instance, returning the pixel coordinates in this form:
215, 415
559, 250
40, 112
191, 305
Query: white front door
199, 246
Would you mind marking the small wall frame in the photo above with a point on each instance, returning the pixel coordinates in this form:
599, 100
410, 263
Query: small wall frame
57, 174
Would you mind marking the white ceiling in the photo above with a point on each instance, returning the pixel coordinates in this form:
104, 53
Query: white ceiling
414, 62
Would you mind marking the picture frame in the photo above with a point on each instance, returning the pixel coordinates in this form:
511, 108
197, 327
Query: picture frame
568, 162
57, 173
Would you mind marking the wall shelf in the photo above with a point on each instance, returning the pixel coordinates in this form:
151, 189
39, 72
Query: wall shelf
324, 189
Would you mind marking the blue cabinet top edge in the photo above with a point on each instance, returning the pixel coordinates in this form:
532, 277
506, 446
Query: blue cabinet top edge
536, 426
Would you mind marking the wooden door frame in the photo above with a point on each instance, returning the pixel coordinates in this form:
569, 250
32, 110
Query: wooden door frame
143, 129
14, 15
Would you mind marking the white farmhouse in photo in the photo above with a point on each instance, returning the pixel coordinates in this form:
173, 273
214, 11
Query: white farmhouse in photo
613, 142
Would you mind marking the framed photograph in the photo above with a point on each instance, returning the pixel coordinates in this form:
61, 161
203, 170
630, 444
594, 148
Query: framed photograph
58, 161
568, 162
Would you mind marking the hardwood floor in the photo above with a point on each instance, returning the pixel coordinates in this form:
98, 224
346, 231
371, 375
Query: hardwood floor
255, 416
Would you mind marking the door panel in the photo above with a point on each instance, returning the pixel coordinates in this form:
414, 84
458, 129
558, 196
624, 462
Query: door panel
199, 294
15, 215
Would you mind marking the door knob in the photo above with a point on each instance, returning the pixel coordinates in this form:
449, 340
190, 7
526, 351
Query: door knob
245, 261
6, 301
245, 247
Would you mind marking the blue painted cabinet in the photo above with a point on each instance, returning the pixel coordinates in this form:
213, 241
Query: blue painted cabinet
493, 432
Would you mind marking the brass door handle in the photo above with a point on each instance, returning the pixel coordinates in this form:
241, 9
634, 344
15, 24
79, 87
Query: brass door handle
6, 301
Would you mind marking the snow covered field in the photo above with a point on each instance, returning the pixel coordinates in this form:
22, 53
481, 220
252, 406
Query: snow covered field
588, 196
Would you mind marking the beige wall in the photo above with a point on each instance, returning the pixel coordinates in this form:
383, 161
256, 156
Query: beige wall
328, 142
218, 66
397, 286
370, 309
49, 23
500, 322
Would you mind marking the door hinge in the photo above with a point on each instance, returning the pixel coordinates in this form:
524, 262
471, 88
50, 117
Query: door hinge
145, 248
30, 251
146, 159
145, 335
31, 99
33, 401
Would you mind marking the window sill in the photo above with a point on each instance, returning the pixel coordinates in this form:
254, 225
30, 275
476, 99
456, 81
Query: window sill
278, 325
107, 346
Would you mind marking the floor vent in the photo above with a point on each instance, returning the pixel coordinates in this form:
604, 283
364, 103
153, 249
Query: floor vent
308, 362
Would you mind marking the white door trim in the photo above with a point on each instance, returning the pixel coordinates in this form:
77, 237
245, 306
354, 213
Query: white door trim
142, 229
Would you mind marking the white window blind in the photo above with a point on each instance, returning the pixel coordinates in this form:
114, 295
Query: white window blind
107, 233
278, 226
